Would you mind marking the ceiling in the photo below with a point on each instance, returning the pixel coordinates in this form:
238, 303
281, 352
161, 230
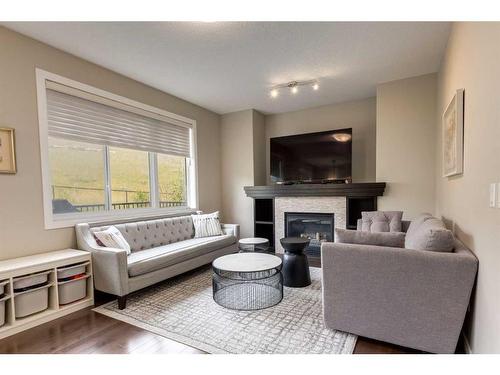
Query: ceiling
230, 66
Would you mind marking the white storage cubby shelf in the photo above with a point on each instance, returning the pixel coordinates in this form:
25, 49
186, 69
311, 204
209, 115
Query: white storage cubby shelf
50, 263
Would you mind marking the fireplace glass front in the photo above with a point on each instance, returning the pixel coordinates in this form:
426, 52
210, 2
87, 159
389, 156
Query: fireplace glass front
318, 227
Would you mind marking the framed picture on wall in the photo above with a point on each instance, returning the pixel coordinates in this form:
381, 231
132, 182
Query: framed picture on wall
453, 136
7, 151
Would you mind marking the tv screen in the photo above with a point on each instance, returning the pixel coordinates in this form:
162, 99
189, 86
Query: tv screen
312, 158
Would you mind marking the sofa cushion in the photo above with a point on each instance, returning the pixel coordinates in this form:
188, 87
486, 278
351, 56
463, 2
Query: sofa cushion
429, 233
150, 260
142, 235
381, 221
391, 239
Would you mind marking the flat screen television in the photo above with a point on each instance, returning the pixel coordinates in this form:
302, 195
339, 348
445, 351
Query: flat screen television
323, 157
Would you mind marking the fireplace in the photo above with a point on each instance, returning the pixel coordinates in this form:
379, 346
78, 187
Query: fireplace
318, 227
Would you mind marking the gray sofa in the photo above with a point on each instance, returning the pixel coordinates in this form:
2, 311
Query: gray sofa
412, 298
160, 249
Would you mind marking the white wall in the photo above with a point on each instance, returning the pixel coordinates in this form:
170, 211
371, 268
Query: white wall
471, 63
21, 210
359, 115
406, 112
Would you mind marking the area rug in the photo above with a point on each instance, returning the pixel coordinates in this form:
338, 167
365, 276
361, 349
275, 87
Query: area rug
182, 309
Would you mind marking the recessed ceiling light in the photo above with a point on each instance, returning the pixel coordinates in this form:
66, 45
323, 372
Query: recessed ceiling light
274, 93
315, 86
294, 89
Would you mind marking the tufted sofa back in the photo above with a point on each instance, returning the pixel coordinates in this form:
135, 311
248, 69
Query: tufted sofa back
143, 235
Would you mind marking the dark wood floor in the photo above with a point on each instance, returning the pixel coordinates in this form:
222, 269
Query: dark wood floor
88, 332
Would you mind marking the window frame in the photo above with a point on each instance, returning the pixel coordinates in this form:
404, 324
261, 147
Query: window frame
53, 221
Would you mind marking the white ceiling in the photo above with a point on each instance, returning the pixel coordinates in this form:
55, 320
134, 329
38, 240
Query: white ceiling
227, 67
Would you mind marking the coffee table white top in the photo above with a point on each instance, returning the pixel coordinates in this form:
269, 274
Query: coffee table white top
253, 241
247, 262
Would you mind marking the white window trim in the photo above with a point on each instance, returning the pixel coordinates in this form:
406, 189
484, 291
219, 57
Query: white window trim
68, 220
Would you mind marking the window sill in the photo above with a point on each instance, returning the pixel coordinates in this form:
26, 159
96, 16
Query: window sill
114, 217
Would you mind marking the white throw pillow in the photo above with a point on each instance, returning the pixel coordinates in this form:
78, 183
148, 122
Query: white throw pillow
112, 237
207, 225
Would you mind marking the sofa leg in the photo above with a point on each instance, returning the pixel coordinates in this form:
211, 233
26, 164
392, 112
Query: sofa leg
122, 302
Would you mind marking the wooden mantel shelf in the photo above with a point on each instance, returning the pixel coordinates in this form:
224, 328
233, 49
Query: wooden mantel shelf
370, 189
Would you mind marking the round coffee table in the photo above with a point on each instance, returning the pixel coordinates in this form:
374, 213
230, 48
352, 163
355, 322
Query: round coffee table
295, 265
247, 281
256, 244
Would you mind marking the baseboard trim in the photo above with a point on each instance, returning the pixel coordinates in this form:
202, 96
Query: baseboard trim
467, 348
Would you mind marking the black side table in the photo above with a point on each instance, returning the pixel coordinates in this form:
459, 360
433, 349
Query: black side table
295, 265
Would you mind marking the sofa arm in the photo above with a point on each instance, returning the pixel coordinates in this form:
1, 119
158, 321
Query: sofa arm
411, 298
231, 229
109, 264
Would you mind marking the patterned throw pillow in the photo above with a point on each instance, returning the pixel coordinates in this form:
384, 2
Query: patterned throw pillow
381, 221
207, 225
112, 237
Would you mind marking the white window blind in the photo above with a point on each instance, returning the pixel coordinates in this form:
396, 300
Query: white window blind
80, 116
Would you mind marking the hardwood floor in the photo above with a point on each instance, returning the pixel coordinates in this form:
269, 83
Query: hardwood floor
88, 332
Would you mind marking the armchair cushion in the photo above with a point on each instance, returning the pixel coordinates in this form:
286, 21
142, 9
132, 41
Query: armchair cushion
429, 233
381, 221
390, 239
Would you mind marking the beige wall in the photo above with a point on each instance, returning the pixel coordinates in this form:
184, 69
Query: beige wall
237, 169
259, 148
358, 115
471, 63
21, 211
405, 144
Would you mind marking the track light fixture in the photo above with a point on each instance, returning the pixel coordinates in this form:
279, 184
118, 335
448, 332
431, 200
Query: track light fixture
293, 86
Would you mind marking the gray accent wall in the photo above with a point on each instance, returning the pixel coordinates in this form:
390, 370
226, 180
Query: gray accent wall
359, 115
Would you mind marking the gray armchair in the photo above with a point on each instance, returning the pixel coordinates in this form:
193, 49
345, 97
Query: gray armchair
412, 298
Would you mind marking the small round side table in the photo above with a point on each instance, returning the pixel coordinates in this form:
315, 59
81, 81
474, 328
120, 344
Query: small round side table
295, 265
253, 244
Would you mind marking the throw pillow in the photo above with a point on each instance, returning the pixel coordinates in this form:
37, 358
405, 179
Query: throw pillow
381, 221
391, 239
429, 233
207, 225
415, 223
112, 237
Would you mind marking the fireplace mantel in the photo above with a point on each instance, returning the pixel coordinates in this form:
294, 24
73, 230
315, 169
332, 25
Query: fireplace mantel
370, 189
345, 201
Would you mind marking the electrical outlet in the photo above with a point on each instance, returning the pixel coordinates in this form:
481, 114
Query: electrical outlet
493, 195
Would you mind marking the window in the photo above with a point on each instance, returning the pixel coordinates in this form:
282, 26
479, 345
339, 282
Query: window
172, 180
129, 171
77, 171
104, 156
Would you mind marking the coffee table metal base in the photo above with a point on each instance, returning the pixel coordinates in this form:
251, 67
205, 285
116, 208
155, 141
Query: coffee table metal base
248, 294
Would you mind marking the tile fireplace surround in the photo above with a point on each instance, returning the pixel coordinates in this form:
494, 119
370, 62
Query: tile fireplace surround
335, 205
